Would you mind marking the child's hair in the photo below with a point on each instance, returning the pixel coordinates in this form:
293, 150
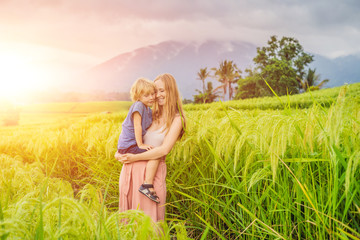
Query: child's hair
141, 86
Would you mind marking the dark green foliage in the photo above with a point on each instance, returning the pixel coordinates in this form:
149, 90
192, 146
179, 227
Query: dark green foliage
281, 64
287, 50
252, 87
281, 77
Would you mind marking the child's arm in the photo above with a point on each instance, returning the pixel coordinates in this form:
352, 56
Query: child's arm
138, 132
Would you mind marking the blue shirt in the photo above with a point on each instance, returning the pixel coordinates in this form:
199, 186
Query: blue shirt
127, 135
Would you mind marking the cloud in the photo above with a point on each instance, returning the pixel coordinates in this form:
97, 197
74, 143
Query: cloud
103, 29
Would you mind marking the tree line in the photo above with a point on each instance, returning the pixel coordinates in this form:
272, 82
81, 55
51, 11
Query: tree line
279, 68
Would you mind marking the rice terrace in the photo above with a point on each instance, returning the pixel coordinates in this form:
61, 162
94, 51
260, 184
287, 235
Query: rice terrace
263, 168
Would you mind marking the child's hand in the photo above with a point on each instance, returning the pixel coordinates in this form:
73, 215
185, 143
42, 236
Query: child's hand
145, 146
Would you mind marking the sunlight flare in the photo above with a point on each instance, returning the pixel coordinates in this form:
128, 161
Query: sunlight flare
19, 76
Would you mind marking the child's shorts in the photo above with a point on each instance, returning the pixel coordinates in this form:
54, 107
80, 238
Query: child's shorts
132, 149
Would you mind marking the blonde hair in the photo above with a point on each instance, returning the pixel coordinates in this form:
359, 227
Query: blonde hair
141, 86
173, 104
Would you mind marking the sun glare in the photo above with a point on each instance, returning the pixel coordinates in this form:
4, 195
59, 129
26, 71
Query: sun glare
18, 77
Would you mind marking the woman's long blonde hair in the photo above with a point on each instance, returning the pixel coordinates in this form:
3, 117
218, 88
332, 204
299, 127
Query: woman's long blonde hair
173, 104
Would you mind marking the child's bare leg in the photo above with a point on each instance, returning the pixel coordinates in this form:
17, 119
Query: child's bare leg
147, 187
151, 168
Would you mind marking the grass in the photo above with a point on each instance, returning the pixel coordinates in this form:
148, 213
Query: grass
325, 98
35, 206
271, 174
238, 173
79, 107
61, 113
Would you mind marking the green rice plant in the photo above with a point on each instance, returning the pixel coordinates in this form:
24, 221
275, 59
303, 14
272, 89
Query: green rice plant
78, 107
45, 212
76, 153
324, 97
244, 170
303, 194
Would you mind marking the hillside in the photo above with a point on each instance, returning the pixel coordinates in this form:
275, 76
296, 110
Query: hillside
184, 59
65, 113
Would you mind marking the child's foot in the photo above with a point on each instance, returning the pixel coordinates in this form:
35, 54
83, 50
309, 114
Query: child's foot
145, 189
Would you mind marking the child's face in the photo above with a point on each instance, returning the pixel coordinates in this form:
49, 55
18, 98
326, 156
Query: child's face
148, 98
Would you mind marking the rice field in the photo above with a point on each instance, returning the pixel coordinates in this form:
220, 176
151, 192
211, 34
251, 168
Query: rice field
275, 168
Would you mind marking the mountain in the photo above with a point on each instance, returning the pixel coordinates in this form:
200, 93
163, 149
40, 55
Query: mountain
184, 59
339, 71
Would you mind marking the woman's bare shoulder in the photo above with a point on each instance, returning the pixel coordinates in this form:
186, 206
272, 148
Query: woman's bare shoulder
177, 117
176, 121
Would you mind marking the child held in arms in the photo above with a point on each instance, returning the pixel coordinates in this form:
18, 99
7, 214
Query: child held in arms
134, 127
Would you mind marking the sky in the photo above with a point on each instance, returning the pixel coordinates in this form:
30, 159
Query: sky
56, 39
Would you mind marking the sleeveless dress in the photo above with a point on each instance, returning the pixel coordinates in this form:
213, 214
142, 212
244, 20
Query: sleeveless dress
133, 175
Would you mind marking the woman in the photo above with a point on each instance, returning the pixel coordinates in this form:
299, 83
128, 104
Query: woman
168, 126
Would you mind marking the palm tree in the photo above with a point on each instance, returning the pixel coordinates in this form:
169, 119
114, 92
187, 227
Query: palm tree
312, 81
227, 74
208, 96
211, 93
202, 75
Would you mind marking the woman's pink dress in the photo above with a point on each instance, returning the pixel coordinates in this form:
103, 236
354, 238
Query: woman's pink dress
133, 175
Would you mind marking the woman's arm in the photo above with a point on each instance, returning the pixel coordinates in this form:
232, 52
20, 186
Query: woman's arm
157, 152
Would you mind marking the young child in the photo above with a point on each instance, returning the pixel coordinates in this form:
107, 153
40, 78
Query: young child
134, 127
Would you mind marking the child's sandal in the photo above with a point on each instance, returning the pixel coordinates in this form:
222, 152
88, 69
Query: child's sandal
144, 189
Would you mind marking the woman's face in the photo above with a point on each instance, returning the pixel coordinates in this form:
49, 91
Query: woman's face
160, 92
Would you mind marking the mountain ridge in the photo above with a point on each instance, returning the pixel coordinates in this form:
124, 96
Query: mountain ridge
184, 59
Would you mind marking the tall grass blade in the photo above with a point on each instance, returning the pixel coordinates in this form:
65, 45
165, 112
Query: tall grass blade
272, 231
210, 227
205, 233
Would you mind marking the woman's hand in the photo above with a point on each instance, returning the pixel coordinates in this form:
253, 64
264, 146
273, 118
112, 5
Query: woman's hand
124, 158
117, 156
